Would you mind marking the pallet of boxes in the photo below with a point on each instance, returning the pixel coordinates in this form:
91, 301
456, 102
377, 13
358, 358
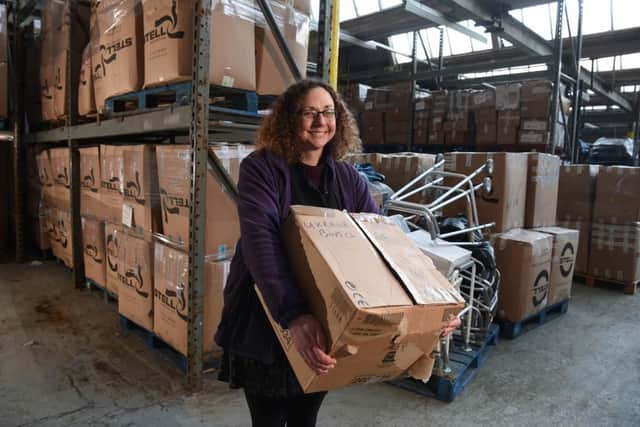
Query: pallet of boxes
142, 229
604, 203
536, 268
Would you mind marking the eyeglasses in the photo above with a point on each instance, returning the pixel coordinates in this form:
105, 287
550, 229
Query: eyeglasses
312, 115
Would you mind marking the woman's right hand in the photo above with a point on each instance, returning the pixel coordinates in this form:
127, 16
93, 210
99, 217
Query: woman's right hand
311, 343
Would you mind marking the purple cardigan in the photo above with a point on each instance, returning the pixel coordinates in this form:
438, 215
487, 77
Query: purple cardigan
264, 188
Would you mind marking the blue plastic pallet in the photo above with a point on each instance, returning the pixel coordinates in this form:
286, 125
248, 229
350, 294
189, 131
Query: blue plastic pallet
513, 330
224, 99
108, 295
165, 350
464, 367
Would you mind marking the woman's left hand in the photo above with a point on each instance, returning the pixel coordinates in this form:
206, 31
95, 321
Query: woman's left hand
451, 326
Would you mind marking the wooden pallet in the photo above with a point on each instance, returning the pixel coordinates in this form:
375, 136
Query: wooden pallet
463, 365
591, 281
162, 348
513, 330
222, 98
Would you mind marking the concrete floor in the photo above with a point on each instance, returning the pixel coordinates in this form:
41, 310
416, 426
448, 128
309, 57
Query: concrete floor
63, 362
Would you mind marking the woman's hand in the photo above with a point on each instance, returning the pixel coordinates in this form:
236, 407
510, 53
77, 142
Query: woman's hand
451, 326
310, 341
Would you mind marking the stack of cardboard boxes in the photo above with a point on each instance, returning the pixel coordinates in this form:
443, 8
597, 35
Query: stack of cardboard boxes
421, 120
532, 261
440, 106
458, 126
615, 236
535, 105
122, 197
508, 108
483, 107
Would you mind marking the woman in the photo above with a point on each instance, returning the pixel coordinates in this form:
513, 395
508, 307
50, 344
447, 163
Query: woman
296, 162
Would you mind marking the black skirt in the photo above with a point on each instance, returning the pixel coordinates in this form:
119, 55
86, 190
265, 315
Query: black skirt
275, 380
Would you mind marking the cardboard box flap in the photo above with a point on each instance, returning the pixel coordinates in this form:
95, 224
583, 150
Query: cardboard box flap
339, 241
416, 271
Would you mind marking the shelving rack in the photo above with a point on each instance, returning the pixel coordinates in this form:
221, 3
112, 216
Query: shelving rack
199, 121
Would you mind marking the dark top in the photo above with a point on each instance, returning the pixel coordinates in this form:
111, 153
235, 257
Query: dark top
266, 186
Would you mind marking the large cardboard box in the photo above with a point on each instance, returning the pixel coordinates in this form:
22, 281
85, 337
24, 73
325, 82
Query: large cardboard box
90, 195
617, 195
535, 99
584, 243
63, 235
615, 252
135, 276
542, 190
171, 297
95, 261
174, 173
372, 127
505, 205
524, 260
563, 262
400, 168
46, 80
508, 126
381, 321
141, 197
86, 92
61, 177
117, 55
532, 137
115, 265
577, 192
508, 97
45, 176
272, 72
112, 181
80, 24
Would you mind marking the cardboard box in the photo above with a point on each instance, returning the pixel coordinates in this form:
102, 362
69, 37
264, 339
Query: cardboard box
135, 277
86, 92
363, 158
168, 39
458, 137
112, 181
171, 297
524, 260
61, 197
563, 262
584, 243
47, 86
381, 322
508, 126
537, 125
63, 236
230, 157
93, 236
617, 195
531, 137
174, 173
272, 72
141, 197
114, 265
508, 97
45, 176
90, 195
540, 108
80, 24
505, 205
117, 55
534, 90
615, 252
400, 168
486, 133
577, 192
542, 190
50, 215
483, 99
372, 127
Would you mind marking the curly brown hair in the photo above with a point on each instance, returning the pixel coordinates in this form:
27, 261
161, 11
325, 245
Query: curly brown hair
279, 130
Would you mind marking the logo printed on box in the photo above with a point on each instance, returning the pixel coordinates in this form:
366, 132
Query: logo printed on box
89, 182
92, 252
133, 189
169, 298
566, 259
540, 288
112, 251
108, 54
133, 279
162, 31
175, 202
